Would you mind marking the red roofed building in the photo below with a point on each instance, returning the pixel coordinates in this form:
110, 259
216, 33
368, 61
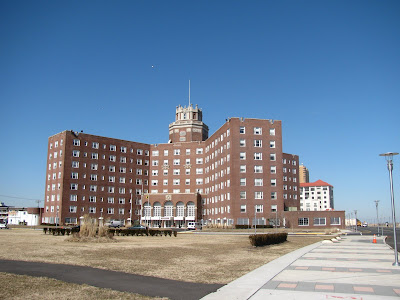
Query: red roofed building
316, 195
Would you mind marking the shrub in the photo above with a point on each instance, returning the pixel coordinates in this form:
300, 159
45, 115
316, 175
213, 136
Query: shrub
258, 240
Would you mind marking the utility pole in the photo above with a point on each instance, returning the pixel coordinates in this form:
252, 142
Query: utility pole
377, 215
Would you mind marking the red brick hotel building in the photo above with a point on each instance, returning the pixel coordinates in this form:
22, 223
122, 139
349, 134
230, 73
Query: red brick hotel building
238, 175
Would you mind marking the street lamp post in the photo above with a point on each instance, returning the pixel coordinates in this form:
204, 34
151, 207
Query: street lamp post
355, 213
377, 215
389, 159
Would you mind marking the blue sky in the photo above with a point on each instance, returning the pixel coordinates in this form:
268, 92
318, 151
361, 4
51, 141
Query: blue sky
330, 70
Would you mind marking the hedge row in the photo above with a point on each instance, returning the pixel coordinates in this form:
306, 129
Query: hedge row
252, 226
60, 230
141, 232
258, 240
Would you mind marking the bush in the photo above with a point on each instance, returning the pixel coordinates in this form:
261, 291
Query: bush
258, 240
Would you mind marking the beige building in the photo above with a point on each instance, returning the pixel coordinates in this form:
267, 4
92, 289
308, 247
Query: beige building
304, 175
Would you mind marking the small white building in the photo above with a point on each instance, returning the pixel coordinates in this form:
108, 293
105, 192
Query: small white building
316, 195
29, 216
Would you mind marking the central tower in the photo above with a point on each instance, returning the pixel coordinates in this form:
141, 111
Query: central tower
188, 125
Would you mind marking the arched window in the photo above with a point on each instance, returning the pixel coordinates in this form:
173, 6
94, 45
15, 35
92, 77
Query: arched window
168, 209
157, 209
190, 209
146, 210
180, 209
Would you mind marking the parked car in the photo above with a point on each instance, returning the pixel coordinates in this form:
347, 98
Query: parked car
365, 224
138, 227
114, 224
194, 226
3, 226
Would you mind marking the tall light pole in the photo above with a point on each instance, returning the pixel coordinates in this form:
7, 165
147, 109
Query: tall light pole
389, 159
377, 215
355, 212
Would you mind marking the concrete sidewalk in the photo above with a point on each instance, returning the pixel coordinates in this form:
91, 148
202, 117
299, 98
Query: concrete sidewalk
352, 268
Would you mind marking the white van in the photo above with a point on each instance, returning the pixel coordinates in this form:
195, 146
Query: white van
114, 224
194, 226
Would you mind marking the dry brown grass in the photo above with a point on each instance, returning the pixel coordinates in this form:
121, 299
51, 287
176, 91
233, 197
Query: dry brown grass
26, 287
210, 258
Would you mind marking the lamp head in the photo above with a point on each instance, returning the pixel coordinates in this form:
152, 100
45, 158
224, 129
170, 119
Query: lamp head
389, 155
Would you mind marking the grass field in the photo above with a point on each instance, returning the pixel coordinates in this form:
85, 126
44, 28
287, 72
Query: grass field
203, 258
187, 257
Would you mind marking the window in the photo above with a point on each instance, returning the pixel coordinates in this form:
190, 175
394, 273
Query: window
272, 131
94, 166
176, 182
121, 200
303, 222
199, 151
257, 143
77, 142
320, 221
242, 195
272, 144
92, 210
257, 156
75, 153
177, 162
122, 170
259, 208
199, 161
154, 172
93, 188
111, 178
73, 175
154, 182
93, 177
199, 181
123, 149
177, 151
72, 209
243, 169
273, 169
257, 130
74, 186
258, 182
242, 142
242, 208
113, 158
273, 195
242, 130
73, 198
272, 157
95, 156
111, 189
75, 164
92, 198
274, 208
110, 210
155, 153
113, 148
258, 169
242, 155
176, 171
242, 181
95, 145
139, 162
258, 195
199, 171
122, 159
273, 182
335, 220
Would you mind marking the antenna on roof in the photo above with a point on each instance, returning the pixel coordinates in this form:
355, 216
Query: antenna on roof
189, 92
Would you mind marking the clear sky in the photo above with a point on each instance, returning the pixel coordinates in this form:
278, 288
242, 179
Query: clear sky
330, 70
